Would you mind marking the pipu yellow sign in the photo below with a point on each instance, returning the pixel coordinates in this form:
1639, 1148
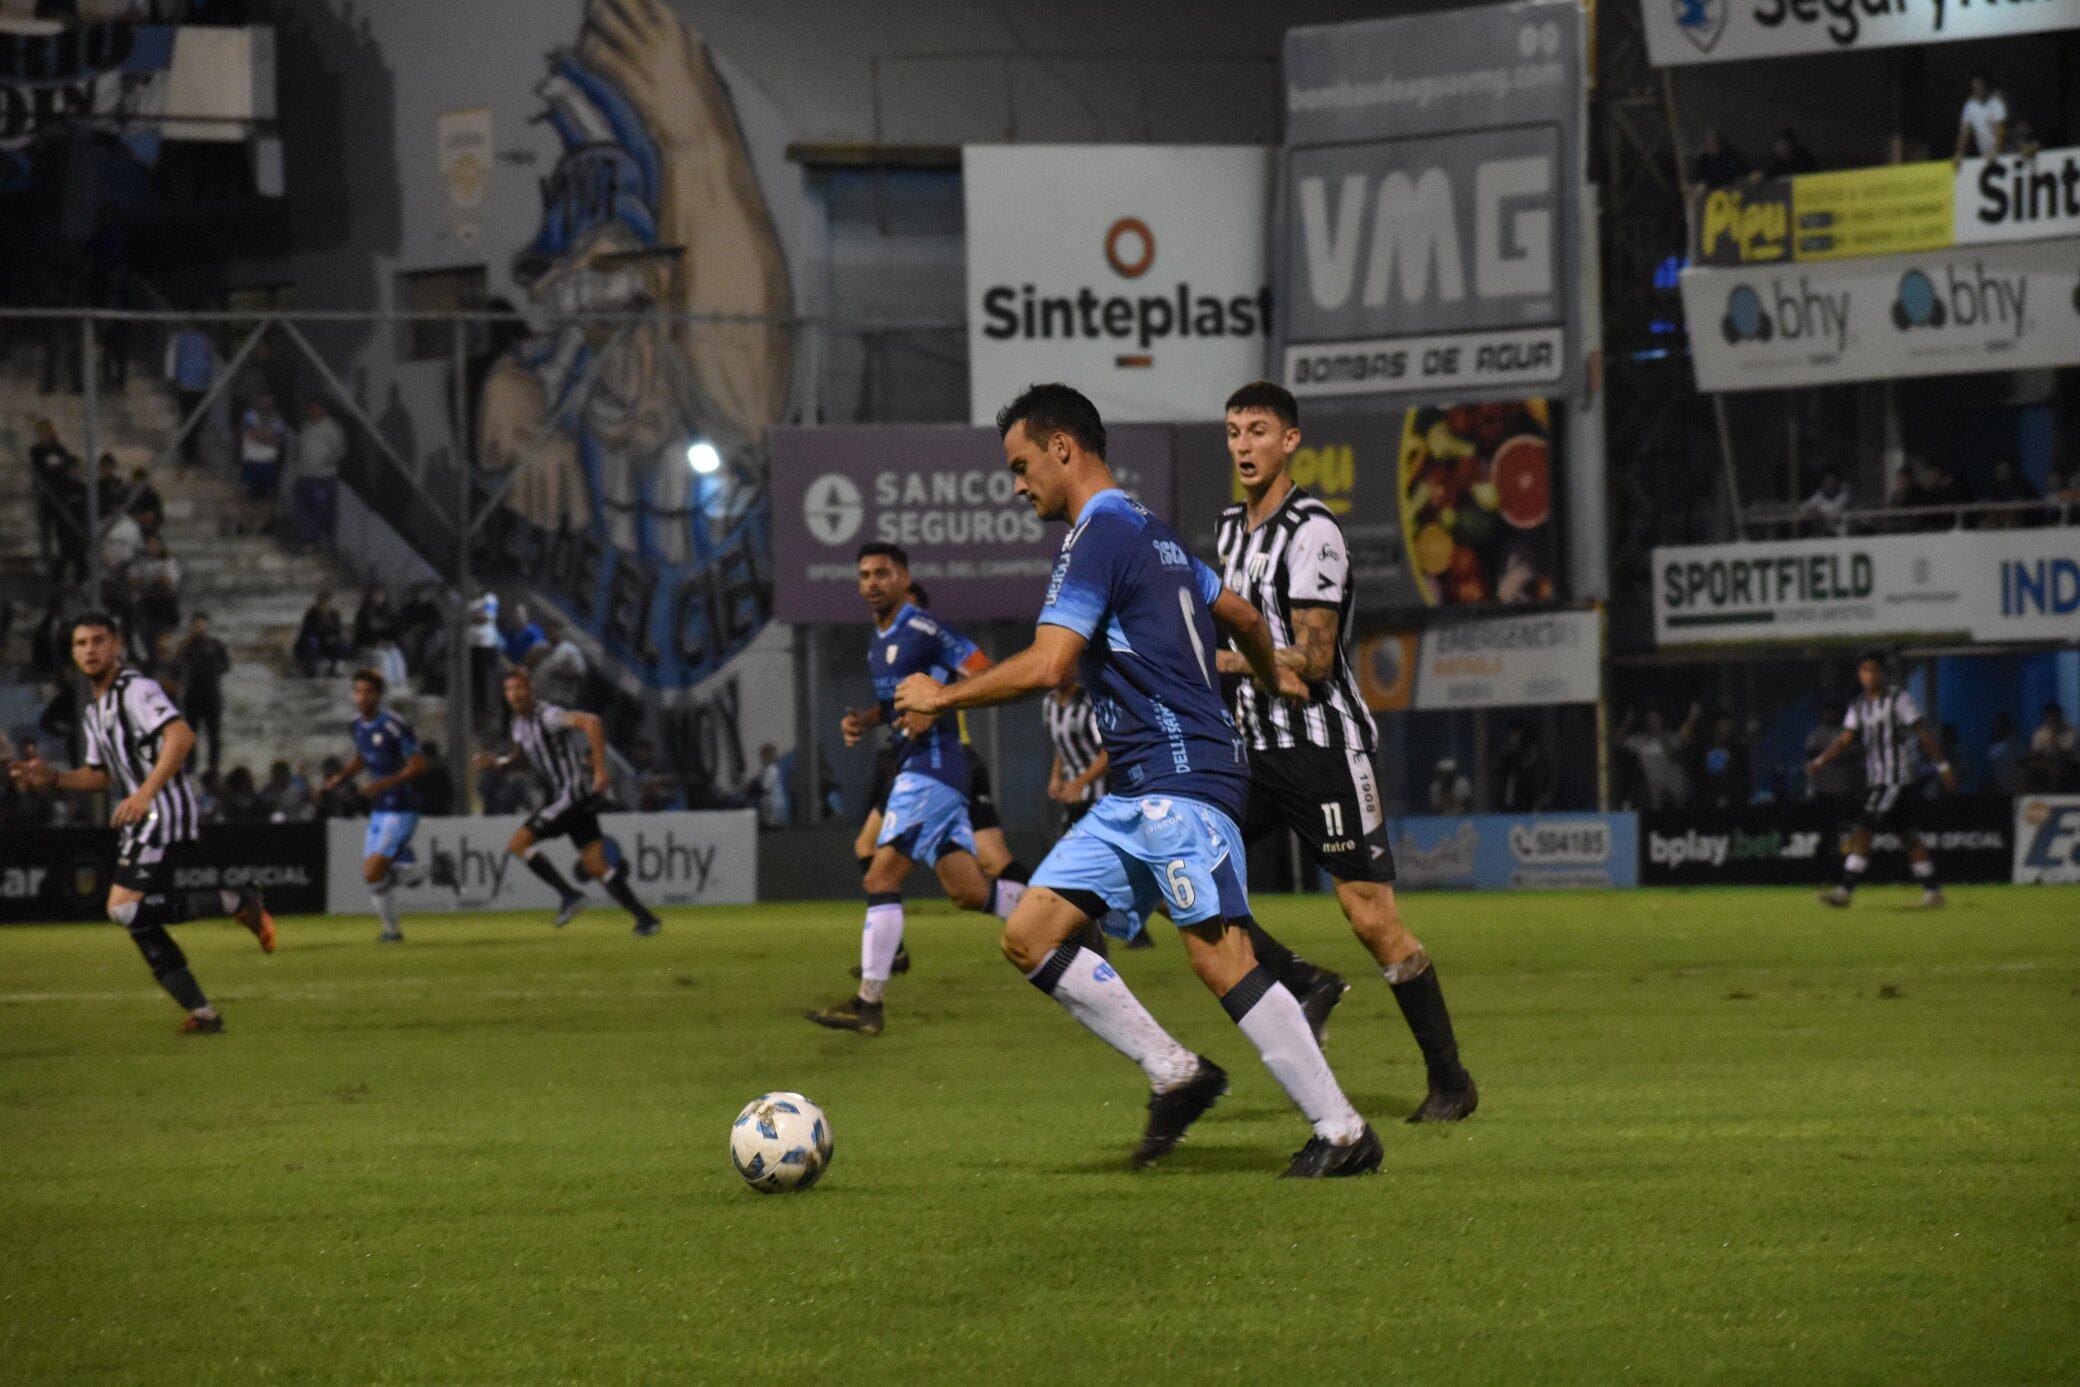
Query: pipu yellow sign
1890, 210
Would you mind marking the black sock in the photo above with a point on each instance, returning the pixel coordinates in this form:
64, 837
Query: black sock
616, 883
1422, 1006
1282, 963
546, 870
1017, 871
180, 985
164, 957
1093, 938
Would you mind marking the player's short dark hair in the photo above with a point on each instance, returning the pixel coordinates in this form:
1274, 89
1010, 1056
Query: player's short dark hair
882, 549
516, 672
94, 616
1877, 655
918, 595
1266, 395
1047, 410
369, 676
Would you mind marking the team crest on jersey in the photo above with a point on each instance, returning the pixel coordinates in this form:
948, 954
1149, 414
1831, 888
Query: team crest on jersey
1259, 567
891, 654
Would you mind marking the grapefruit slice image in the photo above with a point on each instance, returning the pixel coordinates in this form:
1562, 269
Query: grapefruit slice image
1523, 481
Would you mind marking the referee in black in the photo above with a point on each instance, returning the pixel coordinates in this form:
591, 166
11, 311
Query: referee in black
1311, 762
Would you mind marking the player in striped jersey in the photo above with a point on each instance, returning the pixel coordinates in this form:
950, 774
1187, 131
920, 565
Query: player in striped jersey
137, 742
1893, 732
1310, 760
568, 750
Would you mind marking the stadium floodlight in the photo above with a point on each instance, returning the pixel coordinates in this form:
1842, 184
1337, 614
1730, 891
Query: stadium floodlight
702, 457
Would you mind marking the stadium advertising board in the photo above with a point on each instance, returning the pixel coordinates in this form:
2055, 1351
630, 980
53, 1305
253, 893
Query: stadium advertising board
1680, 32
1516, 852
1984, 585
1890, 210
1990, 308
674, 859
63, 873
1802, 844
2047, 839
1499, 662
1150, 289
1428, 233
944, 494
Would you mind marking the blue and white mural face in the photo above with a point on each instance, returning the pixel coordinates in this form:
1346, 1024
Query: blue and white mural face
597, 429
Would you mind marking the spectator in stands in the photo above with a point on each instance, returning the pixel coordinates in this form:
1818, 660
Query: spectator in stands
657, 789
1838, 780
240, 802
121, 541
558, 665
521, 634
1946, 491
2053, 747
1654, 750
1907, 493
1450, 792
50, 643
437, 786
341, 801
1718, 764
204, 662
21, 807
145, 503
1787, 157
109, 491
2003, 757
775, 803
1823, 511
191, 368
155, 582
321, 641
321, 446
287, 796
485, 653
375, 636
1982, 125
263, 440
2010, 487
1718, 163
48, 464
1525, 774
1966, 779
164, 666
72, 525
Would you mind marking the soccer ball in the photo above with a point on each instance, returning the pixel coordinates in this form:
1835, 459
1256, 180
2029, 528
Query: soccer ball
780, 1142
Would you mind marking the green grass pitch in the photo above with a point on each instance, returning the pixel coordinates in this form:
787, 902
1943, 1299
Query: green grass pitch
1726, 1136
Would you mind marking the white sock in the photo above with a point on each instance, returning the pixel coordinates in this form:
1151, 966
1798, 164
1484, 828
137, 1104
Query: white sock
1004, 896
1090, 990
408, 873
879, 939
1278, 1028
1924, 869
386, 905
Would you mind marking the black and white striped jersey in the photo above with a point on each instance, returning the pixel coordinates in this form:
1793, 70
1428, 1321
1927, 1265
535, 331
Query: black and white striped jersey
1891, 748
557, 750
1296, 559
124, 730
1072, 729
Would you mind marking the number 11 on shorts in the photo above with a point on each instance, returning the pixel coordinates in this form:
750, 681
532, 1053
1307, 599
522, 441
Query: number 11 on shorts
1332, 819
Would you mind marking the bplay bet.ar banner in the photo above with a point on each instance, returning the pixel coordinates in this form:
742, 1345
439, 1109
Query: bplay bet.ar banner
1426, 244
1716, 31
1987, 308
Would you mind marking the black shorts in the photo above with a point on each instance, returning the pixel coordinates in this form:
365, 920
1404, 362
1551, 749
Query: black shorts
1330, 799
578, 822
147, 868
884, 780
1894, 808
982, 796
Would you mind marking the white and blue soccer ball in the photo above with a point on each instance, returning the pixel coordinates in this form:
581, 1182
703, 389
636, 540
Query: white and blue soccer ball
780, 1142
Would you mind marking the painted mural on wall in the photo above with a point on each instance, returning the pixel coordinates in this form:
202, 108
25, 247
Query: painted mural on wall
652, 206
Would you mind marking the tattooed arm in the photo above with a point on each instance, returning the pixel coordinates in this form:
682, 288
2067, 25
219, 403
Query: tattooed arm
1313, 652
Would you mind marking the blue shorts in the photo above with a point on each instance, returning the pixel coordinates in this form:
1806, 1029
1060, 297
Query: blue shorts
390, 835
925, 819
1138, 852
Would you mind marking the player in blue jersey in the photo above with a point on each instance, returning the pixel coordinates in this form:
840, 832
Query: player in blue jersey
926, 818
1139, 615
385, 747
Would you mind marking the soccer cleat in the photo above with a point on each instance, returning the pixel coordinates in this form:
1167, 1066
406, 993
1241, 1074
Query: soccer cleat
252, 913
1441, 1105
1837, 897
1324, 1160
1318, 999
647, 926
901, 965
442, 872
390, 936
1142, 940
202, 1025
1170, 1114
852, 1014
1932, 899
568, 911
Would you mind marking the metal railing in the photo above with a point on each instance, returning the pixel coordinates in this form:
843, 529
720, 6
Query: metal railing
1793, 521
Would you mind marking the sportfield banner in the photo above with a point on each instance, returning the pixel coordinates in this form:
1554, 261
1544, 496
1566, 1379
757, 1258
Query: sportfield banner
942, 492
1982, 585
673, 859
1716, 31
2047, 840
1991, 308
1150, 289
1427, 242
1894, 209
1517, 852
1802, 844
63, 873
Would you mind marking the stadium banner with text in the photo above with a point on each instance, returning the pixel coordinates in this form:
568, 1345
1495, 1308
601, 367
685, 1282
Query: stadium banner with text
942, 492
1427, 239
1511, 661
1681, 32
1955, 312
1802, 844
1516, 852
1150, 289
679, 858
2047, 840
64, 873
1980, 585
1893, 209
